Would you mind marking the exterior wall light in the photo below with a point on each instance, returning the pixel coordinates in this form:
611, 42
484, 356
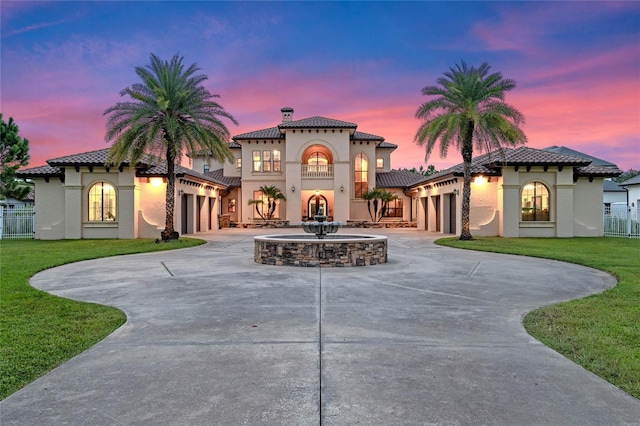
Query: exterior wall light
341, 188
293, 188
479, 180
456, 192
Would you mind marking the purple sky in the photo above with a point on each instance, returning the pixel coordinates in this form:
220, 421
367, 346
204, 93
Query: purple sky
577, 65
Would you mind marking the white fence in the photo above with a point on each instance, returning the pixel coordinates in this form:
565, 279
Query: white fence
621, 221
17, 223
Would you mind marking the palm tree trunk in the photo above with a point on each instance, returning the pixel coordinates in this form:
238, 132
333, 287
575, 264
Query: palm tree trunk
169, 233
467, 156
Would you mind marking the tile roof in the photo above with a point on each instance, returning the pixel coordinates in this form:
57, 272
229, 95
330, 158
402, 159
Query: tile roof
366, 137
595, 161
41, 171
230, 181
270, 133
398, 179
490, 164
91, 158
525, 156
152, 166
321, 122
387, 145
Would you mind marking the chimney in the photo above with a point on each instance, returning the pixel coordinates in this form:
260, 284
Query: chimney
287, 114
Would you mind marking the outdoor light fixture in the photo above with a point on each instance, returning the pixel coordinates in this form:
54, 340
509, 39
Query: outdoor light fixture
479, 180
341, 188
293, 188
181, 192
456, 192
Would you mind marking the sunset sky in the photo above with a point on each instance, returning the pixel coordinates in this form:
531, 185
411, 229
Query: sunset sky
577, 65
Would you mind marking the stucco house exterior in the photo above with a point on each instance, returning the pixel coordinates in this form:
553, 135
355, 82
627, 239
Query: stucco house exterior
316, 162
320, 163
521, 192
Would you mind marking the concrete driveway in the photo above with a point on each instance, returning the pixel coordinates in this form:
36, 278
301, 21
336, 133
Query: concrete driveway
433, 337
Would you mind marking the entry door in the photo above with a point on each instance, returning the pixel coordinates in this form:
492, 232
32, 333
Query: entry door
315, 203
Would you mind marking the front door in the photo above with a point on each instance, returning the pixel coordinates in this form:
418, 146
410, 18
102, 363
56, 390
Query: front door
317, 204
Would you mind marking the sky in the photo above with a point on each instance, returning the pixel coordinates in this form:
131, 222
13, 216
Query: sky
576, 65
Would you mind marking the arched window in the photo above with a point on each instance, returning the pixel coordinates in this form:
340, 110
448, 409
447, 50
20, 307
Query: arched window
102, 202
535, 202
361, 169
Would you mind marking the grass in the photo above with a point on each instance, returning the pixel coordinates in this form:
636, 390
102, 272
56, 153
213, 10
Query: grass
39, 331
600, 332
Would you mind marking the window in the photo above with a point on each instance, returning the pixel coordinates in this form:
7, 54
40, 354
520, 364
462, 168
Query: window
535, 202
266, 161
206, 168
102, 202
238, 163
276, 161
394, 209
379, 163
607, 208
256, 161
231, 205
361, 167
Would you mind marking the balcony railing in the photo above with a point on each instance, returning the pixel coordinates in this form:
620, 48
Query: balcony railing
317, 171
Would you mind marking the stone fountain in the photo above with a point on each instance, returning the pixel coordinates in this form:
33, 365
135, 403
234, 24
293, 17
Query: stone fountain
326, 249
320, 226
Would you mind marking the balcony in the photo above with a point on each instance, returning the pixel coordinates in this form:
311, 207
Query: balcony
317, 171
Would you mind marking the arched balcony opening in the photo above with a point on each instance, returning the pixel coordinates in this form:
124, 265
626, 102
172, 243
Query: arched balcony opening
317, 163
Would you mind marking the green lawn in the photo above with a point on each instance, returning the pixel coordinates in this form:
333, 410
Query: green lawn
38, 331
599, 332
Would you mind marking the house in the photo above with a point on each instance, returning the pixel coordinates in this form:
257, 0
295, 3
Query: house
614, 195
14, 203
318, 163
521, 192
632, 185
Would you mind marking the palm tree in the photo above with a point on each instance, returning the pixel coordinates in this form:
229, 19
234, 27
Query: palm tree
386, 197
170, 112
372, 195
272, 194
469, 110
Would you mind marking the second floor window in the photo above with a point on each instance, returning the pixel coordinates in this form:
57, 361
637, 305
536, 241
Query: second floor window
276, 161
256, 161
379, 163
361, 171
266, 161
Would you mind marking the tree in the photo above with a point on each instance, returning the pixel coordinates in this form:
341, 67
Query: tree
14, 153
380, 199
468, 112
273, 195
627, 175
170, 112
430, 170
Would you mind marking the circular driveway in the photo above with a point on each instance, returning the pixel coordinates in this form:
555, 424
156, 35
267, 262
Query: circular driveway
435, 336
